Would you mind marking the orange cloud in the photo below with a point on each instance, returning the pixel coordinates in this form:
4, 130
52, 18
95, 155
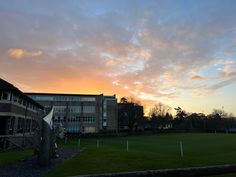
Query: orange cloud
196, 78
145, 53
195, 94
111, 62
138, 85
20, 53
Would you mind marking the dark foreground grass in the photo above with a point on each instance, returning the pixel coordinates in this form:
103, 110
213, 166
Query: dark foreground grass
11, 157
225, 175
148, 152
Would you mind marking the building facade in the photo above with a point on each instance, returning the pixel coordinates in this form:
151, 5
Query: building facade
19, 116
18, 112
80, 113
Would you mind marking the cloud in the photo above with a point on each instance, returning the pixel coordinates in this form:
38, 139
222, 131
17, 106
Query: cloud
149, 50
196, 78
223, 83
21, 53
195, 94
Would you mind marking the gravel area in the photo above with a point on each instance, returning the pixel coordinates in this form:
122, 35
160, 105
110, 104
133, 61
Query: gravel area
29, 167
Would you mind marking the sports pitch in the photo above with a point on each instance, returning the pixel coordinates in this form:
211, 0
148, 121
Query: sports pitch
147, 152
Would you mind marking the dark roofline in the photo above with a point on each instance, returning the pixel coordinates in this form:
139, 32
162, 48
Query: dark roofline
65, 94
6, 86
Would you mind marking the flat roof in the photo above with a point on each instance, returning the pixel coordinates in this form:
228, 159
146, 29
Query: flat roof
66, 94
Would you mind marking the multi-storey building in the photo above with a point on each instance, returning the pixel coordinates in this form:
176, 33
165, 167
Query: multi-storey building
18, 114
80, 113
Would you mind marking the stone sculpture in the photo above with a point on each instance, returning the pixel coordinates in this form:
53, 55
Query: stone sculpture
46, 137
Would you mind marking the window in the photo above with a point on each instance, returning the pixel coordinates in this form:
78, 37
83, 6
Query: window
104, 114
75, 109
20, 100
15, 99
89, 109
60, 109
87, 120
43, 98
6, 96
89, 99
24, 102
20, 125
27, 125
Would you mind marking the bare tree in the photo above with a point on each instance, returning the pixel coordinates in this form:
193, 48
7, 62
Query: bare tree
220, 112
160, 110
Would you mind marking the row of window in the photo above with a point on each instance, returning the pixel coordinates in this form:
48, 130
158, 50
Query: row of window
76, 129
75, 109
23, 125
16, 99
85, 119
73, 129
64, 98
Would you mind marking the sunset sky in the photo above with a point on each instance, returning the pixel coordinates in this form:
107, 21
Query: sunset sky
178, 52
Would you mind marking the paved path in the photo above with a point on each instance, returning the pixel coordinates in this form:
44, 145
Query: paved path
29, 167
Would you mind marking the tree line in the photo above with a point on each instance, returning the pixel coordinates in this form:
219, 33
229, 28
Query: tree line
131, 118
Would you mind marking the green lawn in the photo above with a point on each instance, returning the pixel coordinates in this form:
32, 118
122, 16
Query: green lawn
11, 157
148, 152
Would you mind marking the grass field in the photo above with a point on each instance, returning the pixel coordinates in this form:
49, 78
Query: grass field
148, 152
11, 157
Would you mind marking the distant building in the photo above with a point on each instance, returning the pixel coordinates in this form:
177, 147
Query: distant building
18, 113
80, 113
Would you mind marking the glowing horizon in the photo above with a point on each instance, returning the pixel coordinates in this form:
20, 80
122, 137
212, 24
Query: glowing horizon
181, 53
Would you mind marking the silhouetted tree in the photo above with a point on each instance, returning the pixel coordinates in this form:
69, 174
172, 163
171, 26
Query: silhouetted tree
220, 120
196, 121
130, 113
180, 114
219, 112
123, 100
160, 116
179, 121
